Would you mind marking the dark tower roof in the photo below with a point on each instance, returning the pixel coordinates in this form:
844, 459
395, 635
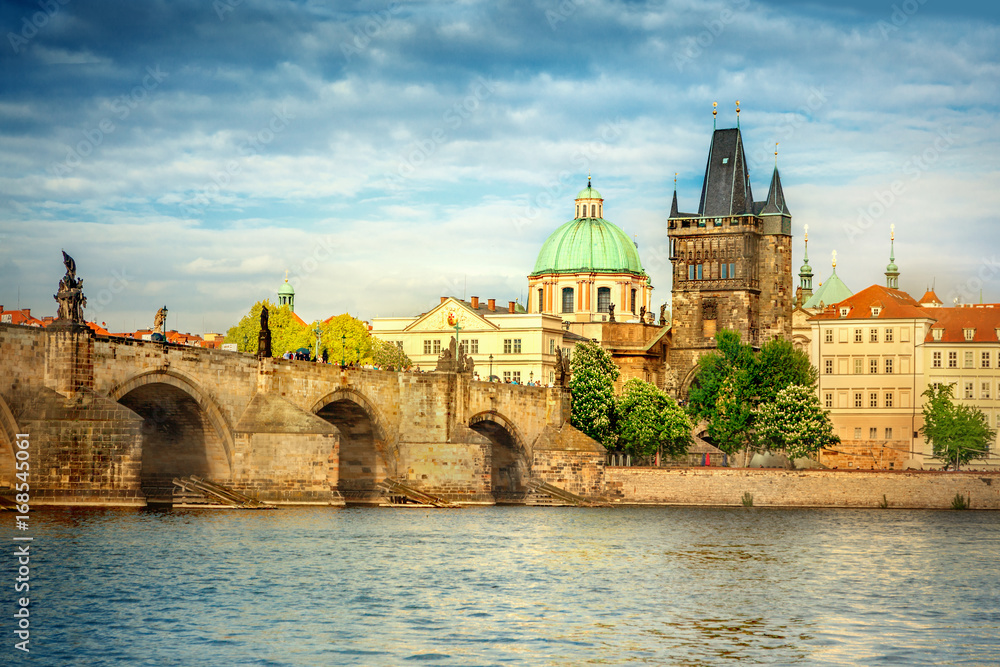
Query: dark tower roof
775, 204
726, 190
673, 206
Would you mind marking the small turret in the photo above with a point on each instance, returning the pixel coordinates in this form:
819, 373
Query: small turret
806, 272
892, 271
286, 295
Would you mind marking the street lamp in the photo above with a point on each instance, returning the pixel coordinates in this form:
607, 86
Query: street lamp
318, 332
531, 377
491, 368
165, 324
343, 347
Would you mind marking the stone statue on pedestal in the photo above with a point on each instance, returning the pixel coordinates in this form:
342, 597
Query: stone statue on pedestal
562, 368
642, 314
70, 295
453, 359
663, 314
611, 312
158, 321
264, 339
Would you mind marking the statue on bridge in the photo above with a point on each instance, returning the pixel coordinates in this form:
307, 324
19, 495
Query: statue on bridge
562, 368
159, 320
264, 339
70, 295
663, 314
453, 359
611, 312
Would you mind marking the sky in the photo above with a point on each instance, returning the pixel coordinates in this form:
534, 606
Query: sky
189, 153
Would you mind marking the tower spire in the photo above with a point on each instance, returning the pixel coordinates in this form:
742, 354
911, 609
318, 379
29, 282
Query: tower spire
892, 271
715, 114
806, 273
737, 114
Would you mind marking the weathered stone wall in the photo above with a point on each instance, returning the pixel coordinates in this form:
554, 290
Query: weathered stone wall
775, 287
800, 488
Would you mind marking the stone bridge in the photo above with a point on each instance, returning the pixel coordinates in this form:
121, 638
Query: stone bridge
111, 421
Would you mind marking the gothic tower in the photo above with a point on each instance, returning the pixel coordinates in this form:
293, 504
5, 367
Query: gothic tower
732, 260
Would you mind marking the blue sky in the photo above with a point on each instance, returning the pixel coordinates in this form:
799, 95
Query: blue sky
385, 154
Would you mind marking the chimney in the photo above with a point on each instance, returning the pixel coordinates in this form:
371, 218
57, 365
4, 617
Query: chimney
493, 305
475, 302
443, 299
510, 306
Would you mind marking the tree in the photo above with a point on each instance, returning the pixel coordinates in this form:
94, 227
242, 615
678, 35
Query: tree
732, 382
957, 433
286, 331
592, 386
649, 421
346, 338
794, 422
389, 355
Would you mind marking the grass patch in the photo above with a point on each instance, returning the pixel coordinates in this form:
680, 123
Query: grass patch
961, 503
747, 499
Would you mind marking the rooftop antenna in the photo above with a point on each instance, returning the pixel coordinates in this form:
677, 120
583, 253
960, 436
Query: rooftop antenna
715, 113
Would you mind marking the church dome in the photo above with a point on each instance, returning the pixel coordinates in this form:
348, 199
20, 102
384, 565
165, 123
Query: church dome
588, 245
286, 289
589, 193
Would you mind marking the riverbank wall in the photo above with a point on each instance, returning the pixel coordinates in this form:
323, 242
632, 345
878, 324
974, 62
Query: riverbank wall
801, 488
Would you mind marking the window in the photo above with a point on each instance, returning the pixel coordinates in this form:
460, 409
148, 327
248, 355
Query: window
857, 402
857, 335
968, 390
690, 271
888, 433
859, 366
873, 336
517, 377
985, 360
875, 311
437, 346
828, 400
969, 333
517, 346
603, 299
937, 360
732, 270
552, 346
985, 390
888, 366
857, 433
470, 345
474, 348
873, 366
828, 367
828, 336
953, 360
888, 399
967, 358
844, 311
873, 432
552, 377
699, 271
722, 271
507, 345
567, 299
427, 347
937, 332
593, 210
399, 344
633, 302
888, 335
541, 293
506, 376
873, 399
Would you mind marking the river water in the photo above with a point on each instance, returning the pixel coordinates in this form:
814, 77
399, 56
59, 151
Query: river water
509, 586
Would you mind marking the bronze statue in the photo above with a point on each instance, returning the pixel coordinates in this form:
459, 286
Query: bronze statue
264, 339
611, 312
70, 295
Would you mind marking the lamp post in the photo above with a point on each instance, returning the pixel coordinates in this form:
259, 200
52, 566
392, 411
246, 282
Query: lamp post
531, 377
491, 368
343, 348
318, 332
165, 324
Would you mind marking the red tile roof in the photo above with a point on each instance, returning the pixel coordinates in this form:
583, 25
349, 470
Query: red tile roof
22, 317
983, 318
930, 297
892, 304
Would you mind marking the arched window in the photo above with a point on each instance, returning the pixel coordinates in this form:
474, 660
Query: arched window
593, 210
541, 303
577, 210
603, 299
633, 302
567, 300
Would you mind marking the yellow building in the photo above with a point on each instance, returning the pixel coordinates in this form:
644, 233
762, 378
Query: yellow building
963, 349
870, 355
514, 345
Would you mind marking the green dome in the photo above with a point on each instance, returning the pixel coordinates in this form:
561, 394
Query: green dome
286, 289
830, 292
588, 245
589, 193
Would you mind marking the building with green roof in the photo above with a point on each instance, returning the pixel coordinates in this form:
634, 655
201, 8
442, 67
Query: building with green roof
589, 267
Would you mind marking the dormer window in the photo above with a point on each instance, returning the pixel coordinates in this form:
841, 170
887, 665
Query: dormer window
937, 333
875, 311
844, 311
969, 332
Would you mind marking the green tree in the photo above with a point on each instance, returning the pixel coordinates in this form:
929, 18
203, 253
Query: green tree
733, 381
286, 331
592, 386
650, 421
346, 337
794, 422
389, 356
957, 433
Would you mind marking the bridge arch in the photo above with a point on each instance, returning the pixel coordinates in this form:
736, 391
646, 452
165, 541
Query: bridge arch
369, 448
184, 432
8, 436
510, 459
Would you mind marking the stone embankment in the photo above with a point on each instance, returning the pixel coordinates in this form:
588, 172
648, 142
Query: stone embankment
801, 488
